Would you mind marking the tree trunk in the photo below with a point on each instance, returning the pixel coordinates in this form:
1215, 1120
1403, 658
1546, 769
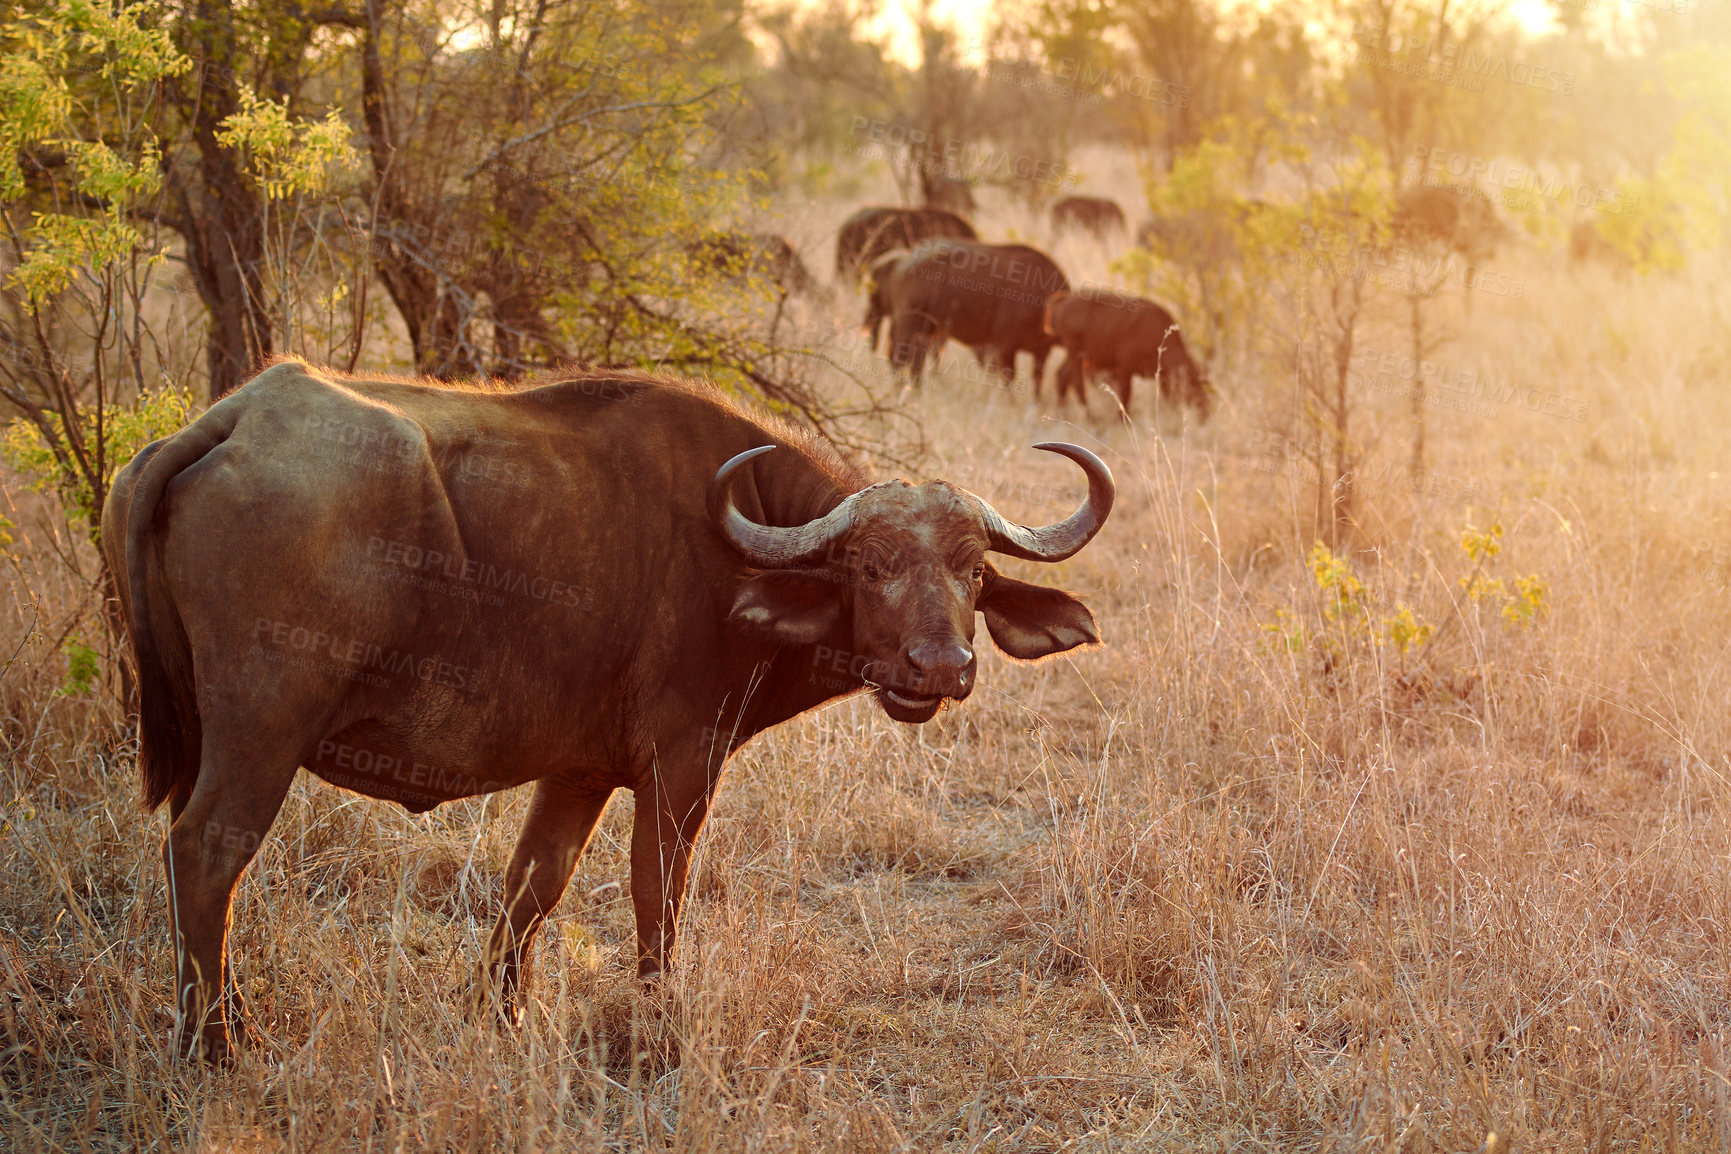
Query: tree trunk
1415, 304
222, 221
405, 244
1346, 321
226, 264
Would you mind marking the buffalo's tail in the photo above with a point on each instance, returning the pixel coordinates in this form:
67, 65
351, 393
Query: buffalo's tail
169, 729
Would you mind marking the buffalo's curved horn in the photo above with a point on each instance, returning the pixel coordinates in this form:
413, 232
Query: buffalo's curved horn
771, 546
1065, 538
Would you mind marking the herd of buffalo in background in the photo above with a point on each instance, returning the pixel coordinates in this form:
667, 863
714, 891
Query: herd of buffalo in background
930, 277
933, 280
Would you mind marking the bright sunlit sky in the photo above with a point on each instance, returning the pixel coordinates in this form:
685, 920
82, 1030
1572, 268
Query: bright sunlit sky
972, 19
896, 21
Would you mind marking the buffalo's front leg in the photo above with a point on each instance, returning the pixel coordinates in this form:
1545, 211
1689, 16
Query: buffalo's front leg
671, 806
904, 336
1072, 378
560, 820
919, 347
1121, 380
1042, 359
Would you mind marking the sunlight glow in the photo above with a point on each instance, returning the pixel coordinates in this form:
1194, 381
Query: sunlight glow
896, 24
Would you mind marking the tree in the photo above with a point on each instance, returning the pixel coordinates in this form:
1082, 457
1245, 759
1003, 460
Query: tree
1326, 254
539, 194
1179, 43
237, 53
80, 104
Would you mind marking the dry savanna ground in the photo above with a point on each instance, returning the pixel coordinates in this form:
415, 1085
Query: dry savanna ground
1249, 877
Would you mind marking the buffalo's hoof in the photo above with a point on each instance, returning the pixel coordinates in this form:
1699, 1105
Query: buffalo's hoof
209, 1047
488, 1005
220, 1038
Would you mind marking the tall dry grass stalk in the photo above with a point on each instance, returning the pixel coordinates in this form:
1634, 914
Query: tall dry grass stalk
1206, 888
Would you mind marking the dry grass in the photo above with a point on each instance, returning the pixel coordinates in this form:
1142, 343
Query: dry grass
1192, 891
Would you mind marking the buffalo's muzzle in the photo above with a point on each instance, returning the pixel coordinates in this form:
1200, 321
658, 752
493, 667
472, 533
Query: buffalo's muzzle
929, 672
946, 667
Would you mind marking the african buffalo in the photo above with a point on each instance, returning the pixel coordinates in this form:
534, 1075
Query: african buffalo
872, 232
1094, 215
1461, 219
946, 192
764, 257
1123, 337
601, 581
883, 270
878, 307
1588, 244
990, 297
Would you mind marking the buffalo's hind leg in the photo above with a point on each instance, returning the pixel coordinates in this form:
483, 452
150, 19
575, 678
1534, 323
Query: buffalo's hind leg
1040, 380
903, 336
1121, 383
561, 819
210, 843
1001, 360
1073, 378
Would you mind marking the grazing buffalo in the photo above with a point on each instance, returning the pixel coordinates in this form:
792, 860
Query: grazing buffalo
946, 192
1588, 244
1202, 238
602, 581
883, 271
1462, 220
879, 309
990, 297
1195, 238
872, 232
1123, 337
1094, 215
764, 257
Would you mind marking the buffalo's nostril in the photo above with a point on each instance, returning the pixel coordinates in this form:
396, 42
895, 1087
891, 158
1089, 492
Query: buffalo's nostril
940, 656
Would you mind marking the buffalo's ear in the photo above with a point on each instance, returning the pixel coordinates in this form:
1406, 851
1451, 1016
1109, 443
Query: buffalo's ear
792, 607
1029, 621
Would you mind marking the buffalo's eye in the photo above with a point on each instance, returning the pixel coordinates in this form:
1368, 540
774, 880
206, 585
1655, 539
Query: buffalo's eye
871, 571
979, 572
